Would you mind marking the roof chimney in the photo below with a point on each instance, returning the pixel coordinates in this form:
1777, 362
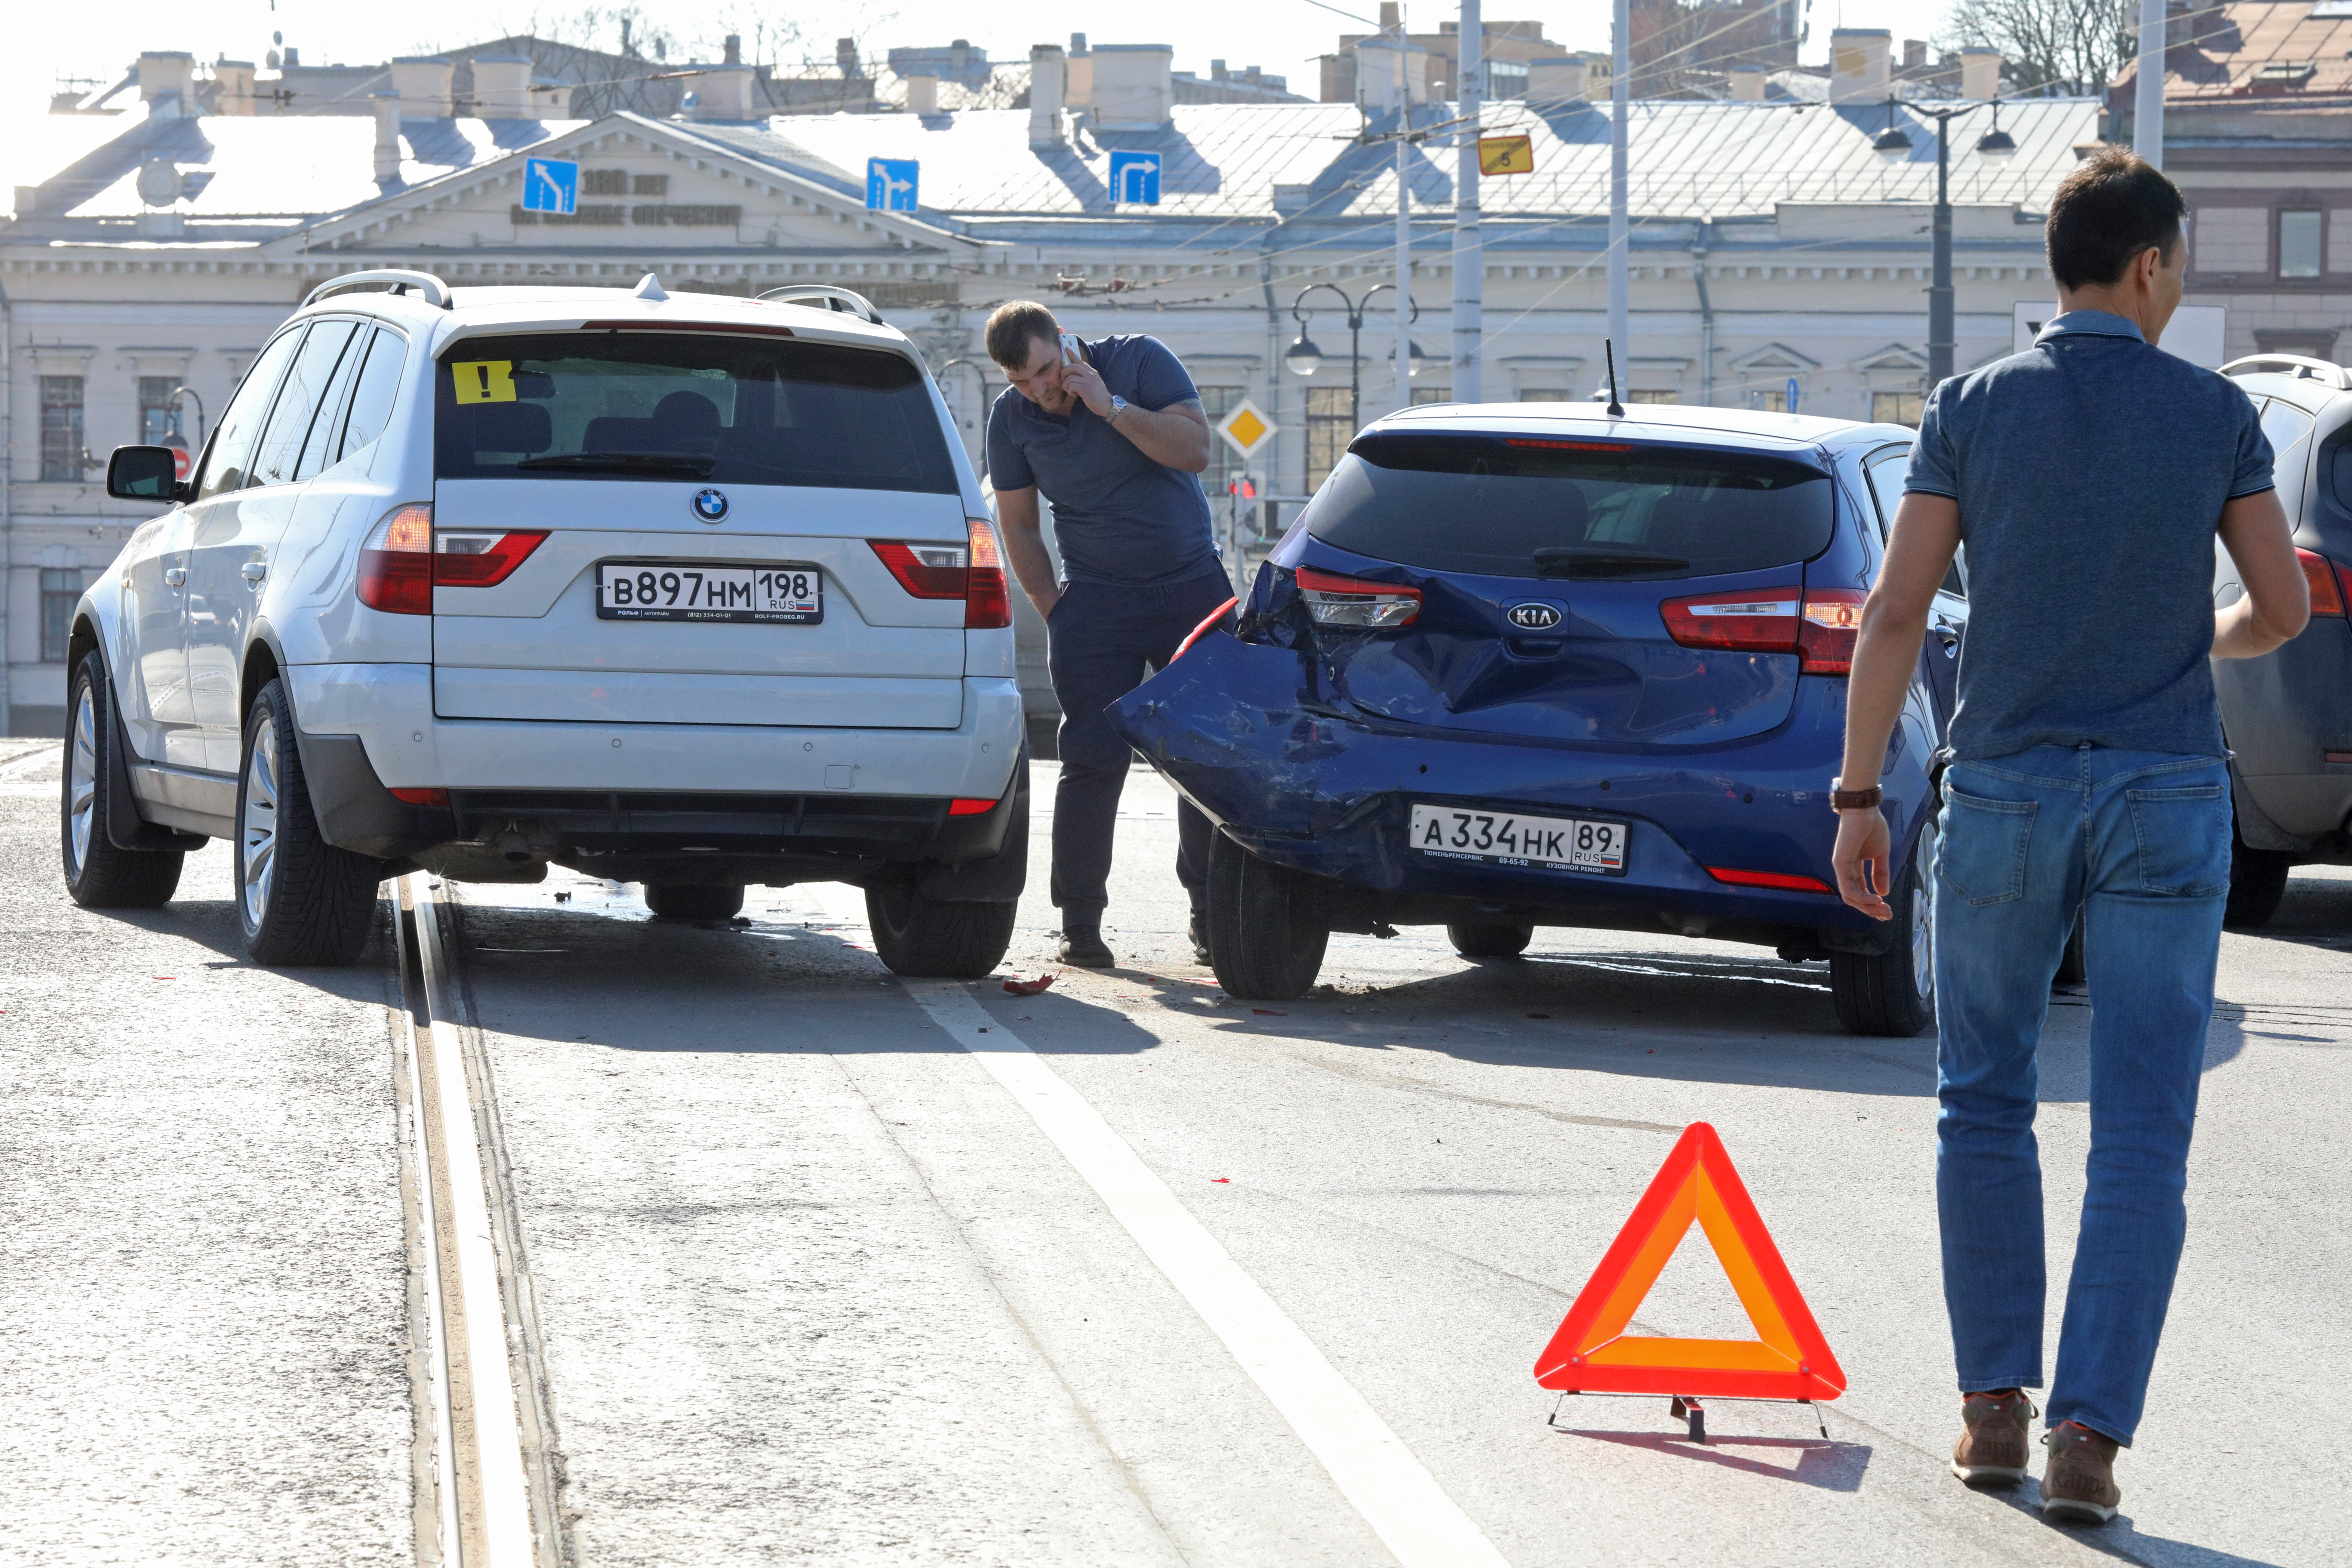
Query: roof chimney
1046, 67
1858, 64
1979, 73
1388, 14
422, 84
1376, 75
387, 138
169, 73
1915, 54
732, 51
1557, 80
724, 92
1748, 84
844, 60
232, 87
922, 95
1134, 86
549, 100
502, 86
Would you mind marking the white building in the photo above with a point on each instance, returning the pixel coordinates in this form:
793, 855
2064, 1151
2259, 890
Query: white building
1772, 249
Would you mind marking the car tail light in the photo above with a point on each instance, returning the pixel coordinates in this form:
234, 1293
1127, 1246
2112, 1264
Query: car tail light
964, 806
1821, 624
472, 559
1780, 880
422, 796
987, 603
2321, 574
1202, 630
1337, 601
925, 571
396, 563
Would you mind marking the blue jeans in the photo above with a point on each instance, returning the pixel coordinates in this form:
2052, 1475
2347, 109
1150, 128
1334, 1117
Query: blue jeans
2140, 842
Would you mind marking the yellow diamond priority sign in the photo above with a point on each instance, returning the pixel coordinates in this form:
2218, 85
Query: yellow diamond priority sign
1506, 155
1245, 429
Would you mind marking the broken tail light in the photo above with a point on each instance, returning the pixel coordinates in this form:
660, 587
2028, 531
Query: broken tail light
1336, 601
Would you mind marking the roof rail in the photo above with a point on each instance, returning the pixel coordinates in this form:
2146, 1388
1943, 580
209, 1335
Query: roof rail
400, 279
826, 297
2334, 375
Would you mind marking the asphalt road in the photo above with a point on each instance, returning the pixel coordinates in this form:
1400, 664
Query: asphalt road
815, 1286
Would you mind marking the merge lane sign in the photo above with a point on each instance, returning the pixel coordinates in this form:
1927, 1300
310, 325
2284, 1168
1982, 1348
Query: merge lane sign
551, 185
1506, 155
890, 184
1135, 178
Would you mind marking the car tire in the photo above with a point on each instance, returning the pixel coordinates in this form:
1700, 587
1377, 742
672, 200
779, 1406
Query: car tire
1489, 938
1893, 993
936, 938
694, 900
2072, 970
301, 899
99, 875
1266, 934
2257, 883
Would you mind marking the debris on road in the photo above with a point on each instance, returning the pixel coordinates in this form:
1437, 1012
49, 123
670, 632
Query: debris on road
1031, 987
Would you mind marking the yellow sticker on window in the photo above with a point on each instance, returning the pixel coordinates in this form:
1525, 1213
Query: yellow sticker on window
484, 380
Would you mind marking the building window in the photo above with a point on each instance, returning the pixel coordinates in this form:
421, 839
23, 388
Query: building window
1895, 407
61, 435
1545, 394
1775, 401
1652, 394
159, 411
1432, 394
2299, 244
60, 591
1330, 425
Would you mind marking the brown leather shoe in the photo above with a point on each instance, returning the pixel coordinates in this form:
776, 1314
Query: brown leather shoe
2079, 1486
1993, 1450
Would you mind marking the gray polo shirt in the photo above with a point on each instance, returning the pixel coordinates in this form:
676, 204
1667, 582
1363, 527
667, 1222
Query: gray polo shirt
2091, 472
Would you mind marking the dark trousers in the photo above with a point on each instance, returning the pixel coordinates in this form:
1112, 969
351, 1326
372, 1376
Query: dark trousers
1099, 641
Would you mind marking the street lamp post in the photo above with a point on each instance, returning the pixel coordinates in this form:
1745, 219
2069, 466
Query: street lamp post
1894, 146
1305, 358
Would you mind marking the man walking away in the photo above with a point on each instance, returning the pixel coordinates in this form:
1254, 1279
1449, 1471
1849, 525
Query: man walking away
1114, 435
2088, 477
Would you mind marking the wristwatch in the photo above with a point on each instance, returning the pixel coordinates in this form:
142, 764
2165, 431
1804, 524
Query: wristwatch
1118, 406
1854, 799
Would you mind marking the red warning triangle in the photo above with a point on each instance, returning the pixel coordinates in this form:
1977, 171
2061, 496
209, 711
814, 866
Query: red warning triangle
1592, 1353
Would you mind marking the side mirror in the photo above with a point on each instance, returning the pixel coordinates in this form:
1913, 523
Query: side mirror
144, 473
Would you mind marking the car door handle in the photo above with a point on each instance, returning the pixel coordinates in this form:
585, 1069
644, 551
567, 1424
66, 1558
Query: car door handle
253, 571
173, 576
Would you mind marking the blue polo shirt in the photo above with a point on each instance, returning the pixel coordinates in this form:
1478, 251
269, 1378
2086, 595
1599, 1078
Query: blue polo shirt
2091, 471
1121, 518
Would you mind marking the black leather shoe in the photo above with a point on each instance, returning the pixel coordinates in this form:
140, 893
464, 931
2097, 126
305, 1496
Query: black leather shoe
1198, 932
1083, 946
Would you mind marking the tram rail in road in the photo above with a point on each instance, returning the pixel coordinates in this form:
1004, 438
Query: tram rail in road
485, 1493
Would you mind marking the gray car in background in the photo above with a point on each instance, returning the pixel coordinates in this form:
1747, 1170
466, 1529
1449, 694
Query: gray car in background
2288, 715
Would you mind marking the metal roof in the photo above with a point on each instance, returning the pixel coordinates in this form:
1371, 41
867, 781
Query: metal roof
2269, 53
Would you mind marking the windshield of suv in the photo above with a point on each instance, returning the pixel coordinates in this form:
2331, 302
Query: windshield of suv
739, 410
1525, 506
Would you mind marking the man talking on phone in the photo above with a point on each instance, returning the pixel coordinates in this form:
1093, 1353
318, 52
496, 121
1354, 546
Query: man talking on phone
1112, 432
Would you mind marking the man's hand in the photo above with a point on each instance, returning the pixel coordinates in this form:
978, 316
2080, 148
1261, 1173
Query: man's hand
1025, 543
1084, 383
2277, 601
1862, 856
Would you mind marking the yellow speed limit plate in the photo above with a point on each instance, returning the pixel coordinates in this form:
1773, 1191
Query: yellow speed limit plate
1506, 155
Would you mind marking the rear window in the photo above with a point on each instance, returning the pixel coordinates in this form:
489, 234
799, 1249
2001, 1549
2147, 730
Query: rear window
1535, 507
734, 410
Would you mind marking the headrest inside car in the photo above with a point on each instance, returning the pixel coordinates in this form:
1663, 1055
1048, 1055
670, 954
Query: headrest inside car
519, 427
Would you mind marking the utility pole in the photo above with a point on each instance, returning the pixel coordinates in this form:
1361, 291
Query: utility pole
2148, 96
1469, 265
1404, 213
1621, 228
1939, 283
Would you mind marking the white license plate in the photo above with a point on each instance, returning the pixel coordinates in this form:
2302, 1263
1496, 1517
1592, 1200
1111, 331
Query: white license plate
1507, 839
709, 591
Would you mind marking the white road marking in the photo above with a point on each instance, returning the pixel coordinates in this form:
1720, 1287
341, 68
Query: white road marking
1387, 1485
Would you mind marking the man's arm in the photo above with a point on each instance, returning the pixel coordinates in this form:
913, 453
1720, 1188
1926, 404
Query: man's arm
1918, 552
1176, 435
2277, 605
1024, 541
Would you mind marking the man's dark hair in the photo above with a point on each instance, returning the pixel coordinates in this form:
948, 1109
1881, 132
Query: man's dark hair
2113, 206
1014, 326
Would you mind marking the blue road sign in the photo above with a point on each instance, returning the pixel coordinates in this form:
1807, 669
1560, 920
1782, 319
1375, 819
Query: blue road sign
1135, 177
551, 185
1792, 394
890, 184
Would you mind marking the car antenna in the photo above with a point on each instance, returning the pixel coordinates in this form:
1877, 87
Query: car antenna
1608, 350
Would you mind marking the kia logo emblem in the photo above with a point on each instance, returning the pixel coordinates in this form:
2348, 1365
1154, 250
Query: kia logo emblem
1533, 618
710, 506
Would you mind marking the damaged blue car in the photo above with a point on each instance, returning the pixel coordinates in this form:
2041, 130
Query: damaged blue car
1534, 664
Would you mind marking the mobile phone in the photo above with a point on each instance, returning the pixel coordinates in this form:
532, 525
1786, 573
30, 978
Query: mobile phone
1071, 352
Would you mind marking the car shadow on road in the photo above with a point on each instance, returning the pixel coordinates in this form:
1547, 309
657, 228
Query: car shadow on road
213, 924
1821, 1462
2316, 912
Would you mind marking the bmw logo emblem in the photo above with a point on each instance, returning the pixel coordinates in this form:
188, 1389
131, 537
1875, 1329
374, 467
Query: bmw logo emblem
1533, 616
710, 506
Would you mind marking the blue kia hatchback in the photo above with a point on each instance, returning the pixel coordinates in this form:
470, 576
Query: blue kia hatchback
1533, 665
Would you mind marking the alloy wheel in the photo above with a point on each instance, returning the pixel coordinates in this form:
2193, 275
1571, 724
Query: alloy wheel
82, 778
256, 843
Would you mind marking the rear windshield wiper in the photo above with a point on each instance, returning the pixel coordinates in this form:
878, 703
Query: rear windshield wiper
1563, 561
688, 465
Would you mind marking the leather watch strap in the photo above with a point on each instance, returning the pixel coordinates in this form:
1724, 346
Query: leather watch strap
1855, 799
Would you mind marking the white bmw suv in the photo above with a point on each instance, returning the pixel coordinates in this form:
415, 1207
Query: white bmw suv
688, 591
